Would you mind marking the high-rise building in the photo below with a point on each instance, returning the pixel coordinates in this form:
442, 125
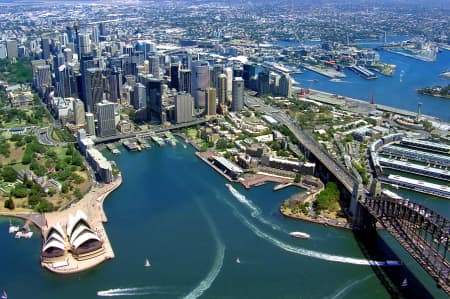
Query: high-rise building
153, 65
114, 85
154, 88
229, 73
139, 96
3, 51
185, 80
174, 75
210, 101
94, 88
218, 69
183, 107
102, 29
45, 46
43, 78
84, 44
237, 102
285, 86
63, 84
199, 82
95, 35
222, 92
106, 119
263, 83
12, 49
90, 123
78, 112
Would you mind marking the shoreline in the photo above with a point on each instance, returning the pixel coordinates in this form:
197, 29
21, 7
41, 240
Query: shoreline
434, 95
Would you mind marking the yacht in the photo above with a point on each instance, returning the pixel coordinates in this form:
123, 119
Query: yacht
4, 295
300, 235
405, 283
238, 261
147, 263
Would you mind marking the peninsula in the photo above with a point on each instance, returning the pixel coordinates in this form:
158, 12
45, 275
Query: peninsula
436, 91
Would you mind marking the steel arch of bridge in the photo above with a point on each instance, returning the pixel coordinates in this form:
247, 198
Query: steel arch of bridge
421, 231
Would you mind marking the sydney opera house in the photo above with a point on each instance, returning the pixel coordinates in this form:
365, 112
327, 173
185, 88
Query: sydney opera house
76, 239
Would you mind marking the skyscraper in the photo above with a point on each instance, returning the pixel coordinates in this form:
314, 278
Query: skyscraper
185, 80
154, 98
43, 78
139, 96
183, 107
222, 92
263, 85
174, 75
237, 102
105, 119
90, 124
114, 85
12, 49
94, 88
199, 82
45, 46
84, 44
210, 101
78, 112
153, 65
285, 86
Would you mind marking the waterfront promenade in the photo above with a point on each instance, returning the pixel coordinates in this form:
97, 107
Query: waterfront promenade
92, 206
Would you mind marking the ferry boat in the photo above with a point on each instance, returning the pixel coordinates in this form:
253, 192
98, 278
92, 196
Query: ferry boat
300, 235
4, 295
147, 263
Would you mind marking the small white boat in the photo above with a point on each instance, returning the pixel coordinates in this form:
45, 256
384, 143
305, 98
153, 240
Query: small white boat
405, 282
147, 263
238, 261
4, 295
13, 228
300, 235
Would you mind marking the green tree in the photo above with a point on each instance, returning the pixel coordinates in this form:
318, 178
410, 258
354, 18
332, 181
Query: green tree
298, 178
9, 204
77, 193
9, 174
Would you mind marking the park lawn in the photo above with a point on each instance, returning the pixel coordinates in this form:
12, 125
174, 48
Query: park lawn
15, 156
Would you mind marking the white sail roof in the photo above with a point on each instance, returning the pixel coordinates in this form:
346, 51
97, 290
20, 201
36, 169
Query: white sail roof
53, 243
78, 231
84, 237
73, 220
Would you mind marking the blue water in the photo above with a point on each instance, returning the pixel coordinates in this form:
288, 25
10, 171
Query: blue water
397, 91
175, 210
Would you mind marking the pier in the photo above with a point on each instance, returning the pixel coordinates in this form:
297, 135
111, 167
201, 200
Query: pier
421, 156
363, 72
327, 71
418, 186
437, 173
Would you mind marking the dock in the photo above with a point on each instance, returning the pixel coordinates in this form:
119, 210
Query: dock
158, 140
131, 145
112, 148
327, 71
363, 72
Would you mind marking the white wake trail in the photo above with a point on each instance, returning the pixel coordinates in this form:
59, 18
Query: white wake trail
206, 283
256, 212
137, 291
344, 290
306, 252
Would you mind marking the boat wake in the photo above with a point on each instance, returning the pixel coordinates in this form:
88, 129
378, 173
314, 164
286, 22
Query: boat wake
344, 290
305, 252
138, 291
255, 211
206, 283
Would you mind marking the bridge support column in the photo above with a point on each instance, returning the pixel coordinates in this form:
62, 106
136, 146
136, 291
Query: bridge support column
361, 218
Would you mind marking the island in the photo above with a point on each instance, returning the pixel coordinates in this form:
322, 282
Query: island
436, 91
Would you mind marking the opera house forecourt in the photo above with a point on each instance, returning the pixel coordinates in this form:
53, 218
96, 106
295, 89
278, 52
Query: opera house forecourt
74, 239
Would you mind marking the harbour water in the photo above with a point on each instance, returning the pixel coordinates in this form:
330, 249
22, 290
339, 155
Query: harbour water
398, 91
177, 212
